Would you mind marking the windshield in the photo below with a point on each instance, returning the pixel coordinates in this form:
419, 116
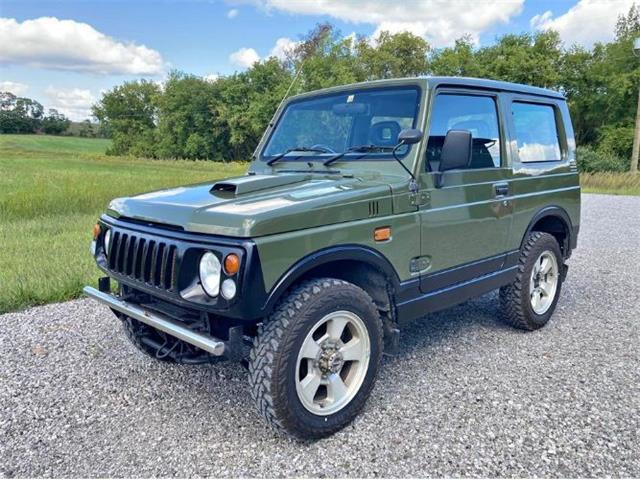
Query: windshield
323, 126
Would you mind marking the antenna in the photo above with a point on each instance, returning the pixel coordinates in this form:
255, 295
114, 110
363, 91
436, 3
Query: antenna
291, 85
286, 94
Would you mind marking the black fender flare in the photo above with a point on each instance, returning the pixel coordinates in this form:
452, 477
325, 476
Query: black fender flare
358, 253
557, 212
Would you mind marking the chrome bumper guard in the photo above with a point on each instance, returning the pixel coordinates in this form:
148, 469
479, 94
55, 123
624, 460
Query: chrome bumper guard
157, 320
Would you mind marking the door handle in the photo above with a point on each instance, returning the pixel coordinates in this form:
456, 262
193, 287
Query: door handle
501, 189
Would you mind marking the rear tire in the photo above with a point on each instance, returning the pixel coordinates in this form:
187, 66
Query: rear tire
316, 358
531, 299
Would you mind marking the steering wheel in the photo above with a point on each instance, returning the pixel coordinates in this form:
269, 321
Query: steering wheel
326, 149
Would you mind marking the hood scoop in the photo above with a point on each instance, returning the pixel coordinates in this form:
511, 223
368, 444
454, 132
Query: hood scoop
233, 187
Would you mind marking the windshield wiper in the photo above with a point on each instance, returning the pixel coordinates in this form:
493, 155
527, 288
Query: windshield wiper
280, 156
359, 148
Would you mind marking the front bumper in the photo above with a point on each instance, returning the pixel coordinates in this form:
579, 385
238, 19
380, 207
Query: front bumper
159, 321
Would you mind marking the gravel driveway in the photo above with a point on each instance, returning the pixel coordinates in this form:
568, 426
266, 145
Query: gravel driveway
467, 397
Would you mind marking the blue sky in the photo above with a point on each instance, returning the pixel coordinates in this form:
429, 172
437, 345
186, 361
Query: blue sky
84, 47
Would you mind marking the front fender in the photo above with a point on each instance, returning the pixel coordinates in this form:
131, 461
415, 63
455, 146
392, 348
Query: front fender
351, 253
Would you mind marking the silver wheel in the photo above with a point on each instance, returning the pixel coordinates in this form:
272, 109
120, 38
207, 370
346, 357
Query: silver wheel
544, 282
332, 363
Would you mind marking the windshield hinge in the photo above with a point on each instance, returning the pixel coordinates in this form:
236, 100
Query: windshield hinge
419, 198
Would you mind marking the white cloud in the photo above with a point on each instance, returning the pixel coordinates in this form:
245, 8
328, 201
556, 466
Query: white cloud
16, 88
212, 77
245, 57
282, 48
587, 22
439, 21
75, 103
233, 13
48, 42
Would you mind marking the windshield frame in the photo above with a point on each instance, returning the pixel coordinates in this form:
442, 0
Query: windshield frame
350, 156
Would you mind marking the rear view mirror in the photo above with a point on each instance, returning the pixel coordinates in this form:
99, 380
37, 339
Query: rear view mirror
456, 152
344, 109
409, 136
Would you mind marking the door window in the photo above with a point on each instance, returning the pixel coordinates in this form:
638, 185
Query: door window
536, 132
474, 113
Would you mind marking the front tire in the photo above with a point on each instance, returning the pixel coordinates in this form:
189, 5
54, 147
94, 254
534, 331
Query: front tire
315, 361
531, 299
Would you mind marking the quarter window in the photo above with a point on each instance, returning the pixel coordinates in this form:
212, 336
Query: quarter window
474, 113
536, 132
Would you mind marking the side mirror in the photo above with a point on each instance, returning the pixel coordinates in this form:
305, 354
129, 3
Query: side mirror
456, 152
409, 136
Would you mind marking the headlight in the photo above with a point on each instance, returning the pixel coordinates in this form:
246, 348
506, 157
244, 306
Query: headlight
107, 241
228, 289
210, 268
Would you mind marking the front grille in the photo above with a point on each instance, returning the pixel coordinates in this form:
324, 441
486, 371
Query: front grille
144, 259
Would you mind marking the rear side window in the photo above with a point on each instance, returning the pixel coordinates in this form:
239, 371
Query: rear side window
536, 132
474, 113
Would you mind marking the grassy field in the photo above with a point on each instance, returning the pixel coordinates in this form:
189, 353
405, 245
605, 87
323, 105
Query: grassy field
613, 183
52, 189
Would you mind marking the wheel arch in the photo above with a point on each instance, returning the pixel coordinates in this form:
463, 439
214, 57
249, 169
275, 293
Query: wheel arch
357, 264
555, 221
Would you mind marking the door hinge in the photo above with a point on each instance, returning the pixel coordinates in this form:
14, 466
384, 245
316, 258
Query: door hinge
419, 198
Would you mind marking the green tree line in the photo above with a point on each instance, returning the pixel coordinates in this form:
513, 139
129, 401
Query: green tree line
25, 115
192, 117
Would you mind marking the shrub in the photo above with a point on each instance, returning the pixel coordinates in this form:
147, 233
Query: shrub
616, 140
591, 160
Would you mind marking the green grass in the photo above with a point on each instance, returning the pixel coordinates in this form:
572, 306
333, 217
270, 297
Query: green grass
612, 183
52, 190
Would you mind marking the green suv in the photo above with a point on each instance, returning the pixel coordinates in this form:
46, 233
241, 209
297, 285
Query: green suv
364, 207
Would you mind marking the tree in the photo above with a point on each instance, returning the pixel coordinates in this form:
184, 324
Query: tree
19, 114
86, 129
391, 56
246, 103
129, 111
55, 122
533, 59
459, 60
187, 119
324, 59
628, 26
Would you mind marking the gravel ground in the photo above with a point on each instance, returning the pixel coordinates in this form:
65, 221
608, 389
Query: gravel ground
467, 397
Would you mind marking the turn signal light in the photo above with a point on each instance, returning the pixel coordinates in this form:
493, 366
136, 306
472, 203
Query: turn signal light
381, 234
96, 231
231, 264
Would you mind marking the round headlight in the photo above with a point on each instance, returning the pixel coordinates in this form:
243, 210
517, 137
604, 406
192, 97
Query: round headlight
210, 268
228, 289
107, 241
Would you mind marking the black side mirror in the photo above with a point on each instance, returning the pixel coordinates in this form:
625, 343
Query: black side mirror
409, 136
456, 152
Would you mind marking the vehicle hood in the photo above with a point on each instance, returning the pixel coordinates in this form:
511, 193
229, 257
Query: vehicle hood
258, 205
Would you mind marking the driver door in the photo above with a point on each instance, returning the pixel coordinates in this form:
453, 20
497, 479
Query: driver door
466, 223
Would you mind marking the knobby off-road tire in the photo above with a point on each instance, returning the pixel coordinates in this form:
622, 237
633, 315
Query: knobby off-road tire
518, 306
282, 369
